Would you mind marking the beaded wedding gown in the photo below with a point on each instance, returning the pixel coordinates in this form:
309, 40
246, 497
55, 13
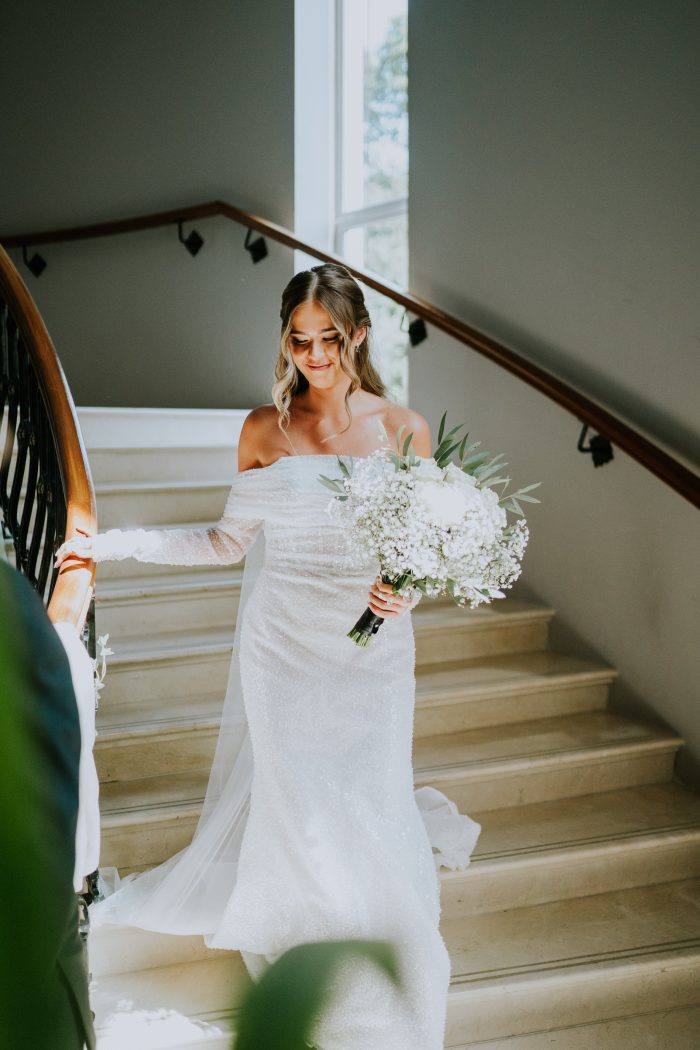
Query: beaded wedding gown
311, 827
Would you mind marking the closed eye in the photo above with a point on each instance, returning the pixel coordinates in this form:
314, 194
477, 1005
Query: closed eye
305, 342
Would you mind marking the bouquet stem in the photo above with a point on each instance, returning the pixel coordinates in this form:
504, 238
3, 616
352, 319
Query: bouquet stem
368, 624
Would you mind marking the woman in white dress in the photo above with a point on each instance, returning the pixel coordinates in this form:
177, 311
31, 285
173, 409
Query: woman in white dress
310, 828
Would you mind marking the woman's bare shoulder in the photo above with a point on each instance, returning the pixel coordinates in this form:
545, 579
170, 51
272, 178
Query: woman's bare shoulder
256, 436
413, 422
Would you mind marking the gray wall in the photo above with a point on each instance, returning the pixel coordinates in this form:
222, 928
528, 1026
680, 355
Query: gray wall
112, 110
553, 203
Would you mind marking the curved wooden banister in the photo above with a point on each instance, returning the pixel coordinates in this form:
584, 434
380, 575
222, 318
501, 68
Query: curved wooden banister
73, 587
640, 448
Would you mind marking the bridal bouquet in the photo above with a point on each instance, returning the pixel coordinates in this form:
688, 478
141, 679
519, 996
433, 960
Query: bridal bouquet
434, 525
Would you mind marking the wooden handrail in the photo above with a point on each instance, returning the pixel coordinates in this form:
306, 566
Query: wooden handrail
73, 590
640, 448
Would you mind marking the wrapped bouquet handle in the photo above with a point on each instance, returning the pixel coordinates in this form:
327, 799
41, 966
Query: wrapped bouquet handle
368, 624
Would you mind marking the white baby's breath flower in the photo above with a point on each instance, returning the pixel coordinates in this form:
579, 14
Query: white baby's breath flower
429, 525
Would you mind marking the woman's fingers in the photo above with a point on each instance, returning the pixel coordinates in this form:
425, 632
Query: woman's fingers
61, 555
77, 546
383, 602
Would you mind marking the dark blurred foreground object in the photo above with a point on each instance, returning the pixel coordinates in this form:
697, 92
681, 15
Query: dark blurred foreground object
44, 1002
279, 1009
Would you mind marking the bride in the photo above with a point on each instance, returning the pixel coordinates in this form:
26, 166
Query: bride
311, 828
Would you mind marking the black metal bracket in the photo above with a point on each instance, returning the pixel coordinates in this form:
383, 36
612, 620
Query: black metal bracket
193, 242
598, 446
37, 264
417, 330
257, 248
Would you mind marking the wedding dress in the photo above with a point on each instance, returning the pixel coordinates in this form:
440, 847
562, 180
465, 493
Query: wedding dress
311, 828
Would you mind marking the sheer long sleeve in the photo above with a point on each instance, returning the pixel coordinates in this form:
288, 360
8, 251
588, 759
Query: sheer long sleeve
225, 543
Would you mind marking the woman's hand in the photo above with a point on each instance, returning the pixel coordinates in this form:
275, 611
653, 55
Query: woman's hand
78, 546
383, 602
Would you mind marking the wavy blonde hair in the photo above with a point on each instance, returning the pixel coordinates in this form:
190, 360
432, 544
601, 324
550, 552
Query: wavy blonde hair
336, 290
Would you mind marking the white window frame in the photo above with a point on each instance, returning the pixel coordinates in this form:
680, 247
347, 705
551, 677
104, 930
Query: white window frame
314, 127
345, 16
318, 147
319, 218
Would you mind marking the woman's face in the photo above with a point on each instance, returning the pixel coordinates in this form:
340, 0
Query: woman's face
314, 343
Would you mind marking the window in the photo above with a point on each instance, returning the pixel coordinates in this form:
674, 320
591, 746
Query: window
352, 156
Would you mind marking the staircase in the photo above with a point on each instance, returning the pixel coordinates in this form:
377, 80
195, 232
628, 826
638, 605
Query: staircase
577, 925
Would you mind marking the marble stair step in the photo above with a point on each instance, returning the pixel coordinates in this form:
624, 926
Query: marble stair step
165, 428
498, 766
487, 690
155, 606
574, 961
131, 608
466, 764
111, 465
507, 687
173, 1007
572, 847
146, 464
144, 670
180, 732
122, 950
147, 668
525, 855
672, 1029
158, 504
189, 711
144, 820
514, 972
444, 633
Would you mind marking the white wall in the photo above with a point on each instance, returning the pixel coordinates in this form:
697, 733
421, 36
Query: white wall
113, 110
553, 203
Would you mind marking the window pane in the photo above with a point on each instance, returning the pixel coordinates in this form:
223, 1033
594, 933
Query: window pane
386, 248
381, 246
374, 146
